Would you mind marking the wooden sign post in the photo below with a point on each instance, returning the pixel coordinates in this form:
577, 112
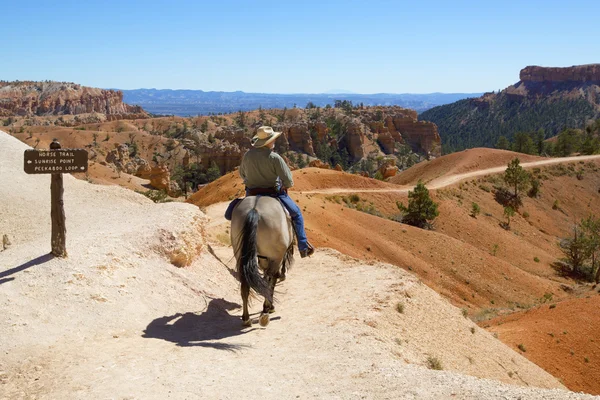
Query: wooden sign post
56, 161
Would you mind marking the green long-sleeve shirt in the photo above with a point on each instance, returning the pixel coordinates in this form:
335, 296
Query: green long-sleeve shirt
263, 168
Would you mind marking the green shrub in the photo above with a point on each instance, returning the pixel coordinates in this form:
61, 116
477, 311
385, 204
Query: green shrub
508, 213
534, 190
157, 196
475, 210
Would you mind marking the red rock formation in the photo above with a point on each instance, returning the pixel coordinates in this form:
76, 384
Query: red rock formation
298, 137
400, 125
160, 179
421, 135
60, 98
234, 135
376, 129
226, 155
356, 134
578, 73
387, 142
319, 164
119, 157
388, 168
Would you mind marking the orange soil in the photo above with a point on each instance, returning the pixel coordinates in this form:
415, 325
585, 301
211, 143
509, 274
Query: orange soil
560, 337
231, 185
459, 163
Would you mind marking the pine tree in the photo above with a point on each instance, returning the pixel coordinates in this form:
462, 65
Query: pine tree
421, 210
502, 143
516, 177
509, 212
523, 143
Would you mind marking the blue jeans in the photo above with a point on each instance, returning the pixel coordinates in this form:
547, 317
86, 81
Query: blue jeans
297, 220
295, 213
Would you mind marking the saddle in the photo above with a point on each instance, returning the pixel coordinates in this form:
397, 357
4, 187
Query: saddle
271, 192
265, 192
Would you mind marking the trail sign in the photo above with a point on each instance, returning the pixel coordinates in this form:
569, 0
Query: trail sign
57, 161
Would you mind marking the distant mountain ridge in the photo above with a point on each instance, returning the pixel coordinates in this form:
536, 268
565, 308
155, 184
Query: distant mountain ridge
545, 98
185, 102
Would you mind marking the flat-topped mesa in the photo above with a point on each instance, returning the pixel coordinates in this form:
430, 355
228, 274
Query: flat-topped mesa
62, 98
578, 73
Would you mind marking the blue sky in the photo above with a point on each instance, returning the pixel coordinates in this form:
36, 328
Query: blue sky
294, 47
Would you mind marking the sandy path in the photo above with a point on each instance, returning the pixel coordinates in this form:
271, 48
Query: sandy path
323, 342
444, 181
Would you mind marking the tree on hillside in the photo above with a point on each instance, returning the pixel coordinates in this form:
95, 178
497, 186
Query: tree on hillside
568, 142
509, 212
213, 172
240, 119
538, 139
503, 143
534, 191
523, 143
582, 250
421, 210
516, 177
591, 144
475, 210
591, 228
576, 250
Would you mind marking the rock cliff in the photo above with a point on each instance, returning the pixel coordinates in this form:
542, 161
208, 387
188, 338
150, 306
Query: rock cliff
578, 73
358, 133
365, 130
550, 99
226, 156
61, 98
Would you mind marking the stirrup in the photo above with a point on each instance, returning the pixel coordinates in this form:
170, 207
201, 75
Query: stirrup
307, 252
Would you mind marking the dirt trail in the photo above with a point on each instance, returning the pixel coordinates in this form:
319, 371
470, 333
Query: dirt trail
323, 342
444, 181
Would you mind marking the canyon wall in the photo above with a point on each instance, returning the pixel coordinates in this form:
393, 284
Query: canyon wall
59, 98
579, 73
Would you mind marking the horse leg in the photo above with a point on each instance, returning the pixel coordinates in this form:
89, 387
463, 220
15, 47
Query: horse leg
246, 315
268, 306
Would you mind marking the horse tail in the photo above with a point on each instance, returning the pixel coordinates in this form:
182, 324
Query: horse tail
288, 258
248, 269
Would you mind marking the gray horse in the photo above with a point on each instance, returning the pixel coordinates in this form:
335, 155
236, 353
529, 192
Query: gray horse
262, 237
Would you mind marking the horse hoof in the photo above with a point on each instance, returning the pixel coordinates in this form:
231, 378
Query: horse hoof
247, 323
263, 320
271, 310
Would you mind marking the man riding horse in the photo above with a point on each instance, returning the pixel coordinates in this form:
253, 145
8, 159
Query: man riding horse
261, 234
265, 173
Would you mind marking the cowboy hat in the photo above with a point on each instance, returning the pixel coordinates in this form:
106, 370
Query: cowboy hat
264, 136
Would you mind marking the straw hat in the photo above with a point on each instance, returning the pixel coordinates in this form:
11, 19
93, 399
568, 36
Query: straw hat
264, 136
